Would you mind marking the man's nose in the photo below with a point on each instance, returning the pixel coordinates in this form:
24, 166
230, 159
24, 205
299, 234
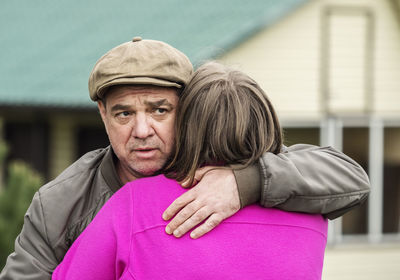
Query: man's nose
143, 126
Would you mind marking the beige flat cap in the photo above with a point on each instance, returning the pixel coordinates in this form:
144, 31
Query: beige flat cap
140, 62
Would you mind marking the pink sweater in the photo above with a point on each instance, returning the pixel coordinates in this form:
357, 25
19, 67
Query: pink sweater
126, 240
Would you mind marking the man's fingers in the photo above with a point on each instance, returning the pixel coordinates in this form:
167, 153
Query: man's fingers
197, 176
208, 225
186, 183
215, 196
193, 221
177, 205
182, 216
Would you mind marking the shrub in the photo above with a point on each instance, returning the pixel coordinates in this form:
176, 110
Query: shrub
15, 196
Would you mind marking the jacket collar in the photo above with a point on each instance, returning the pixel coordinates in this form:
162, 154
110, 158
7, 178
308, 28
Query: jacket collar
109, 171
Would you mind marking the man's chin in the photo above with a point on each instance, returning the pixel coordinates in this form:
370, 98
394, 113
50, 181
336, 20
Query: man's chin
129, 172
147, 172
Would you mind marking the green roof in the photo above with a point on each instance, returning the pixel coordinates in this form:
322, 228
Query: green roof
48, 48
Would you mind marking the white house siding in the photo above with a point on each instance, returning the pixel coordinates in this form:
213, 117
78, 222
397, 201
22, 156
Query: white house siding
284, 60
347, 49
289, 61
387, 60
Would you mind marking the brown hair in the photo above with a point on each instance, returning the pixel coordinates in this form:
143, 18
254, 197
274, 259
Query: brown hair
224, 117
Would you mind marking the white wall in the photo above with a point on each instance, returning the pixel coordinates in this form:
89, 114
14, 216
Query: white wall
286, 59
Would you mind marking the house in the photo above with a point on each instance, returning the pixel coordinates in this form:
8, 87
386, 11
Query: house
331, 67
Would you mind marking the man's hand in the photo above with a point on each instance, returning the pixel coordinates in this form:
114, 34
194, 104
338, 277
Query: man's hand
213, 199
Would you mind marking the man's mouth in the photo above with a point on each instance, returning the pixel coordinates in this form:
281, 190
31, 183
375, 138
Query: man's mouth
145, 153
143, 149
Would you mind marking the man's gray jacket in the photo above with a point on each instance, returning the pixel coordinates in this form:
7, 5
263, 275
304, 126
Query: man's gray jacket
301, 178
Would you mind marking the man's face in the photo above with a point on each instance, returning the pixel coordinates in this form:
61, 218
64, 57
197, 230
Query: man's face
139, 121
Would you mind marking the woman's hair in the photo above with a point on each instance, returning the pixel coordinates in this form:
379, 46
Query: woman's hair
224, 117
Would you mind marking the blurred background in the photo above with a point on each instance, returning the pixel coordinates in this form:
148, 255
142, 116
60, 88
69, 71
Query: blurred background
330, 67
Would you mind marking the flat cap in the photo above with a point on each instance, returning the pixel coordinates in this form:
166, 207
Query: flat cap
140, 62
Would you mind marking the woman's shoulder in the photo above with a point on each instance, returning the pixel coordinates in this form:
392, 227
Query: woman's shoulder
150, 196
276, 217
153, 186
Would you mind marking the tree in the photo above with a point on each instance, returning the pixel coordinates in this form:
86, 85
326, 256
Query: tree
15, 196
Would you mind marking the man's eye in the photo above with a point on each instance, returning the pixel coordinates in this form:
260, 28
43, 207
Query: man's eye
123, 114
160, 111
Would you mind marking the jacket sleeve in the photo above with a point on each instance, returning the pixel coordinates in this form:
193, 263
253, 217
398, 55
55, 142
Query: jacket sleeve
305, 178
33, 257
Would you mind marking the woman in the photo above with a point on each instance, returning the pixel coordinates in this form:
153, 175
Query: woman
126, 240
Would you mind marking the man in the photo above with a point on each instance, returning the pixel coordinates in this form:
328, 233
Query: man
136, 86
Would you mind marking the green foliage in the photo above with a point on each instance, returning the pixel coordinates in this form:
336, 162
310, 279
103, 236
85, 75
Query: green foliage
15, 196
3, 151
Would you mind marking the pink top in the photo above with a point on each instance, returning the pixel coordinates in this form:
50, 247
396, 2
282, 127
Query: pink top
126, 240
